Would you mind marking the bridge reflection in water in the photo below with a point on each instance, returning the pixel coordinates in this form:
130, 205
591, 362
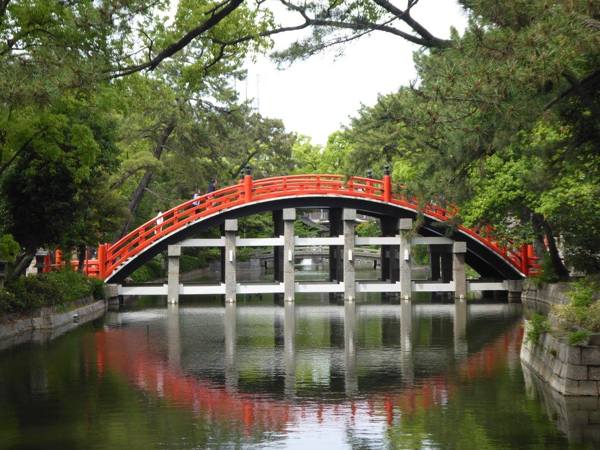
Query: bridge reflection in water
235, 368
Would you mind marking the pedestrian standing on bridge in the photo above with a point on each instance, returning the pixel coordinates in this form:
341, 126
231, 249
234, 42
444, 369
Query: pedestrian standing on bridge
159, 221
212, 185
196, 195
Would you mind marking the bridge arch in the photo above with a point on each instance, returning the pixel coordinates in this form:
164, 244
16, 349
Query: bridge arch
369, 196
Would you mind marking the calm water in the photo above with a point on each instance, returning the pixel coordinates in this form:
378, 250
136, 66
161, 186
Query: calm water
305, 377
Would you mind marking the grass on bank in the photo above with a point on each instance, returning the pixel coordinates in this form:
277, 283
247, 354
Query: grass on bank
579, 318
49, 289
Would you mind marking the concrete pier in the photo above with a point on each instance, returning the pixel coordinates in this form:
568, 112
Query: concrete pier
173, 252
459, 250
289, 281
349, 247
405, 226
231, 228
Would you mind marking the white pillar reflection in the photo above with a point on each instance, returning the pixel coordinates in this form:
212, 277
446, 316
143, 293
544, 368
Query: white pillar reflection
289, 348
230, 326
173, 336
407, 366
461, 348
350, 377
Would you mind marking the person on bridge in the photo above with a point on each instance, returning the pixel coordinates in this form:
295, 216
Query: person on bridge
212, 185
196, 195
159, 220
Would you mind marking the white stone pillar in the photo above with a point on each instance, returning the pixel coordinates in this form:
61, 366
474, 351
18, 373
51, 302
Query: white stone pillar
174, 252
289, 216
231, 227
459, 249
405, 227
349, 217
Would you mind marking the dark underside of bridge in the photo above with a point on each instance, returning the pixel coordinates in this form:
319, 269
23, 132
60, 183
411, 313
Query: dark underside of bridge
481, 258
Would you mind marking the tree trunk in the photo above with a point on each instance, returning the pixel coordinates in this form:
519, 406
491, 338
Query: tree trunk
138, 194
21, 264
557, 264
543, 230
81, 250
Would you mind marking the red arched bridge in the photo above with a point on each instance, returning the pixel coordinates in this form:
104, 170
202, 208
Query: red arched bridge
369, 196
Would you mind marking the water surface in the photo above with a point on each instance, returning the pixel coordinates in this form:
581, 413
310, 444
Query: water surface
313, 376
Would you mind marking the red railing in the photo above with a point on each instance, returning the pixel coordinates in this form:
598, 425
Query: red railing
112, 256
54, 261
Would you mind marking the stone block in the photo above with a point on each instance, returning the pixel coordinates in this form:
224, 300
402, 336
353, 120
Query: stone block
570, 387
556, 365
588, 388
590, 356
576, 419
594, 372
573, 355
174, 250
111, 290
289, 214
231, 225
591, 435
459, 247
594, 417
405, 224
349, 214
575, 372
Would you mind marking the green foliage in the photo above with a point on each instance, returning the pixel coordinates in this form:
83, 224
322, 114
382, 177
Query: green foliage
547, 273
9, 248
538, 325
583, 309
150, 271
496, 126
52, 289
578, 337
583, 292
369, 228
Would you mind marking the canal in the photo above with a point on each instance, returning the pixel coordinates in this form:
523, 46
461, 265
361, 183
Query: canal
296, 376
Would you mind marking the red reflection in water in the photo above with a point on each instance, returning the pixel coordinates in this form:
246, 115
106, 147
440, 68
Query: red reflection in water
127, 352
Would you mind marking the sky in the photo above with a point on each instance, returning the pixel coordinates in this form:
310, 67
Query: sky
317, 96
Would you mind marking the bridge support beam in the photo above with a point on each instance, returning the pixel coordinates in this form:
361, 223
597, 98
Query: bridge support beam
405, 226
335, 251
349, 217
440, 259
514, 290
389, 253
231, 228
173, 252
289, 216
459, 249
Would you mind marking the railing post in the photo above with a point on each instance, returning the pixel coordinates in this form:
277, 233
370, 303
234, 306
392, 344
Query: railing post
101, 260
524, 260
387, 184
248, 185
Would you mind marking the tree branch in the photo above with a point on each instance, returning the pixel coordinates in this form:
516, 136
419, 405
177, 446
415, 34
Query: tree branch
215, 18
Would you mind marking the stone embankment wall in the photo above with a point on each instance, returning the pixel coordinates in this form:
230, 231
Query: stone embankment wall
577, 417
541, 298
569, 369
52, 320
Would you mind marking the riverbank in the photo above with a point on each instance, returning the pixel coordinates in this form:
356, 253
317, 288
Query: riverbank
547, 350
47, 323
